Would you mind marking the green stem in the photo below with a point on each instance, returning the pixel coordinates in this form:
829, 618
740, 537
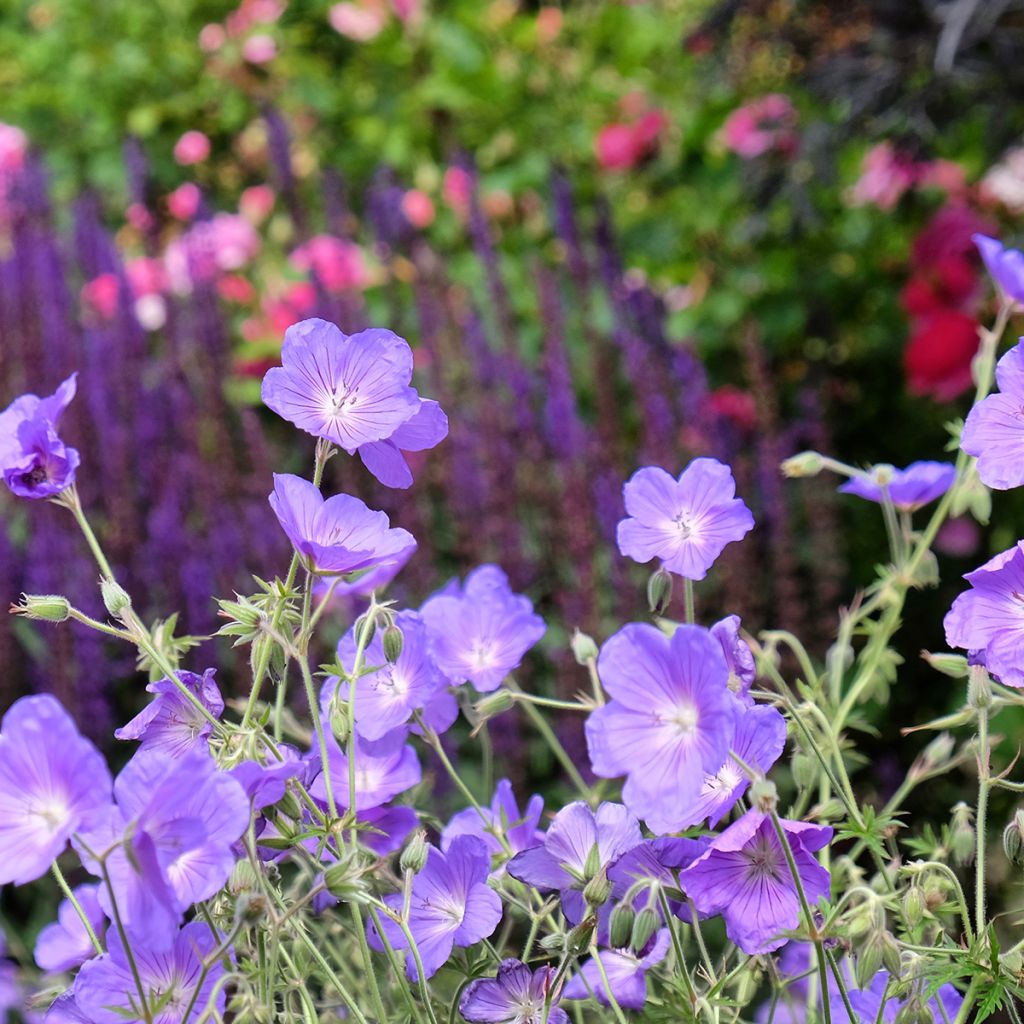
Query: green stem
364, 950
321, 737
688, 601
73, 900
981, 820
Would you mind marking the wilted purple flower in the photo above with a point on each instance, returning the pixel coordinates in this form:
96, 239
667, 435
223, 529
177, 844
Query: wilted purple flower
451, 905
909, 489
503, 818
744, 876
685, 522
994, 431
426, 428
670, 721
988, 617
577, 845
384, 768
480, 632
351, 390
516, 995
53, 781
738, 656
171, 723
1005, 266
626, 972
337, 536
65, 943
106, 992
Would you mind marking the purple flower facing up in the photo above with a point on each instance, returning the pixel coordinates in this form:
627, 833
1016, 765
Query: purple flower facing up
910, 489
34, 461
686, 522
516, 995
989, 617
577, 845
994, 431
738, 656
743, 875
427, 428
105, 990
65, 943
626, 973
53, 782
451, 905
384, 768
1005, 266
171, 723
507, 830
670, 722
337, 536
479, 633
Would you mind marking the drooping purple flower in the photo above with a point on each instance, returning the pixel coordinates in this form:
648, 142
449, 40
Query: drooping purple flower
686, 522
480, 632
53, 782
577, 845
738, 656
989, 617
670, 722
994, 430
626, 972
503, 818
744, 876
337, 536
265, 784
365, 584
910, 489
426, 428
171, 723
65, 943
516, 995
1005, 266
384, 768
106, 992
451, 905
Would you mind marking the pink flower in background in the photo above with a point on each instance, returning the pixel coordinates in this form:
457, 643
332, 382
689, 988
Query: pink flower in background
937, 360
457, 188
549, 24
224, 243
958, 537
945, 175
264, 12
13, 147
337, 263
235, 288
408, 12
234, 240
259, 49
1004, 183
138, 217
765, 124
192, 148
256, 203
212, 37
886, 174
100, 295
950, 233
624, 144
146, 276
296, 304
183, 202
418, 208
358, 21
616, 147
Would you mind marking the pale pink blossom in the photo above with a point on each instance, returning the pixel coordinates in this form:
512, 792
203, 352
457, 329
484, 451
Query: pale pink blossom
457, 189
549, 24
100, 295
138, 217
192, 148
760, 126
886, 174
13, 147
361, 22
338, 264
1004, 183
259, 49
256, 202
418, 208
184, 201
146, 276
212, 37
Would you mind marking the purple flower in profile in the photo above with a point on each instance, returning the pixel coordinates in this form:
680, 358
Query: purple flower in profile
384, 768
655, 862
65, 943
265, 784
480, 632
105, 989
427, 428
53, 782
64, 1010
989, 617
516, 995
670, 721
451, 905
626, 972
171, 723
337, 536
1005, 266
738, 656
994, 431
517, 828
577, 845
743, 875
686, 522
910, 489
346, 592
867, 1003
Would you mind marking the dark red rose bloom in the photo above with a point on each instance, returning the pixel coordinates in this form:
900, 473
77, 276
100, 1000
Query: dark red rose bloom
937, 359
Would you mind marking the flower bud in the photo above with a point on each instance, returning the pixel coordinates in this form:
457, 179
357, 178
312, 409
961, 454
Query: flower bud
962, 838
882, 474
803, 768
598, 890
344, 879
645, 925
579, 937
339, 723
952, 665
496, 703
659, 591
1013, 839
979, 688
620, 926
554, 943
44, 607
804, 464
414, 856
364, 630
891, 955
584, 649
593, 863
914, 905
392, 641
939, 751
115, 597
869, 960
242, 879
764, 796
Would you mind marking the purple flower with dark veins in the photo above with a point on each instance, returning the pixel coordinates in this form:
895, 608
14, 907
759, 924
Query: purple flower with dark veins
65, 943
384, 768
738, 656
172, 723
909, 489
686, 523
994, 431
426, 428
1005, 266
516, 995
503, 818
626, 972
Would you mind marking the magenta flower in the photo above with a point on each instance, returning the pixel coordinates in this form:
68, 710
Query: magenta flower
670, 722
994, 431
65, 943
452, 905
685, 522
516, 995
626, 972
1005, 266
337, 536
910, 489
171, 723
503, 818
384, 768
481, 631
744, 876
426, 428
53, 782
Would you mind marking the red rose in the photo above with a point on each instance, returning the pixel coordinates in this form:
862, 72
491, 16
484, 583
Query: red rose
937, 360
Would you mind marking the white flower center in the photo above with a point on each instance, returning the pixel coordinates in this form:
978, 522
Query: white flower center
683, 718
53, 809
684, 525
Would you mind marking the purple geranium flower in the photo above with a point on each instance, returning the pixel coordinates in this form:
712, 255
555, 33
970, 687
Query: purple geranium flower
626, 972
171, 723
909, 489
53, 782
65, 943
265, 784
994, 431
426, 428
106, 992
577, 845
516, 995
384, 768
480, 632
451, 905
670, 722
738, 656
64, 1010
1006, 266
503, 818
653, 862
744, 876
990, 617
685, 522
867, 1003
337, 536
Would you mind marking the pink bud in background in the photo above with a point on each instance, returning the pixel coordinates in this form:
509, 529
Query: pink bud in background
549, 24
183, 202
212, 37
235, 288
138, 217
418, 208
146, 276
13, 146
617, 147
357, 22
337, 263
256, 202
764, 124
259, 49
958, 537
100, 295
192, 148
456, 189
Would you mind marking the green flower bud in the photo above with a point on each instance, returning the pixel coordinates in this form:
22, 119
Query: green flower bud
496, 703
804, 464
659, 591
414, 856
598, 890
242, 879
392, 641
869, 960
1013, 839
364, 630
620, 926
952, 665
584, 649
914, 906
939, 751
115, 597
914, 1011
764, 796
44, 607
644, 927
579, 937
979, 688
963, 837
891, 955
804, 769
344, 879
593, 863
554, 943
